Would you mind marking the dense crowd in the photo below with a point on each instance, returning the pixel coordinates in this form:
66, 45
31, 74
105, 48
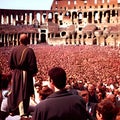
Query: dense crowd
84, 65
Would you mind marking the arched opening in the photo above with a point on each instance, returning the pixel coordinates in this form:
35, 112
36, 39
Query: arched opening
100, 17
68, 14
50, 17
74, 15
90, 17
80, 17
43, 38
56, 18
63, 33
107, 15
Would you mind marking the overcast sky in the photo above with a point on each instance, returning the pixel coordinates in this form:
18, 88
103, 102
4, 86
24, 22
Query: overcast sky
26, 4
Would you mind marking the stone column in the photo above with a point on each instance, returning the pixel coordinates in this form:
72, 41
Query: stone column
30, 18
8, 40
39, 34
93, 17
5, 19
16, 17
46, 20
30, 38
98, 16
2, 19
4, 40
17, 39
35, 39
41, 18
25, 19
116, 15
82, 39
11, 19
53, 17
13, 40
103, 17
14, 20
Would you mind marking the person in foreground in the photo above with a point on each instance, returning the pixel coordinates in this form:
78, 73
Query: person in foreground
61, 104
23, 64
106, 110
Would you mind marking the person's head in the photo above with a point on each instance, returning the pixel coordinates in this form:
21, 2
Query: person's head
37, 87
91, 89
106, 110
45, 92
80, 84
24, 39
85, 94
57, 77
111, 97
117, 91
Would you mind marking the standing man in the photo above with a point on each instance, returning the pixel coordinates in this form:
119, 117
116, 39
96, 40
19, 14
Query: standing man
62, 104
23, 64
90, 107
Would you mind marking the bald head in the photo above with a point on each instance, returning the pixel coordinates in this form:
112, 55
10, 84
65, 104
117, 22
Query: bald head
24, 39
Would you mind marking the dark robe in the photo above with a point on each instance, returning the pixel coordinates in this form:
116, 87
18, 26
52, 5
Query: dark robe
61, 105
22, 61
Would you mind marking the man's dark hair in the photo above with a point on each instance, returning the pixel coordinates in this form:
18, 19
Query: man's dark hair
108, 109
58, 75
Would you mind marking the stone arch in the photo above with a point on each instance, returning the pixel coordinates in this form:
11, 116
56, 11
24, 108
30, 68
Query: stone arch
63, 33
80, 17
107, 16
35, 23
90, 17
68, 14
43, 38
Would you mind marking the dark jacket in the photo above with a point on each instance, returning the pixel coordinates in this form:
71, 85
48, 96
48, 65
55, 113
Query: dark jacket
61, 105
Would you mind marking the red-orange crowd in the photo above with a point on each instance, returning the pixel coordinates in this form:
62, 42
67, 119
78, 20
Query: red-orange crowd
84, 65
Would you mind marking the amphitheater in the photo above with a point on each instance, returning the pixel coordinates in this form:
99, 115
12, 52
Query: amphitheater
75, 22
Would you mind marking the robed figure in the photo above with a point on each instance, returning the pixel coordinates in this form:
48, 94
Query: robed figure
23, 64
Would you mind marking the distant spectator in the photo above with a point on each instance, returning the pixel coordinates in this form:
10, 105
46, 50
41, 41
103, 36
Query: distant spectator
106, 110
117, 97
37, 88
45, 92
5, 88
92, 94
90, 107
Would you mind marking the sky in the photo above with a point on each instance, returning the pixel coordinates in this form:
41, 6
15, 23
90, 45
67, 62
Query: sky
26, 4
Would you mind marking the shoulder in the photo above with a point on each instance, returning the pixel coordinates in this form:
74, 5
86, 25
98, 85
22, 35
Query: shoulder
29, 49
43, 105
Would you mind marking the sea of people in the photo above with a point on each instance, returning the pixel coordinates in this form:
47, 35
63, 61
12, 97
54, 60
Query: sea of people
82, 63
96, 65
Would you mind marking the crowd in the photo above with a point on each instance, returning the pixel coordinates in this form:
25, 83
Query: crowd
87, 63
94, 67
